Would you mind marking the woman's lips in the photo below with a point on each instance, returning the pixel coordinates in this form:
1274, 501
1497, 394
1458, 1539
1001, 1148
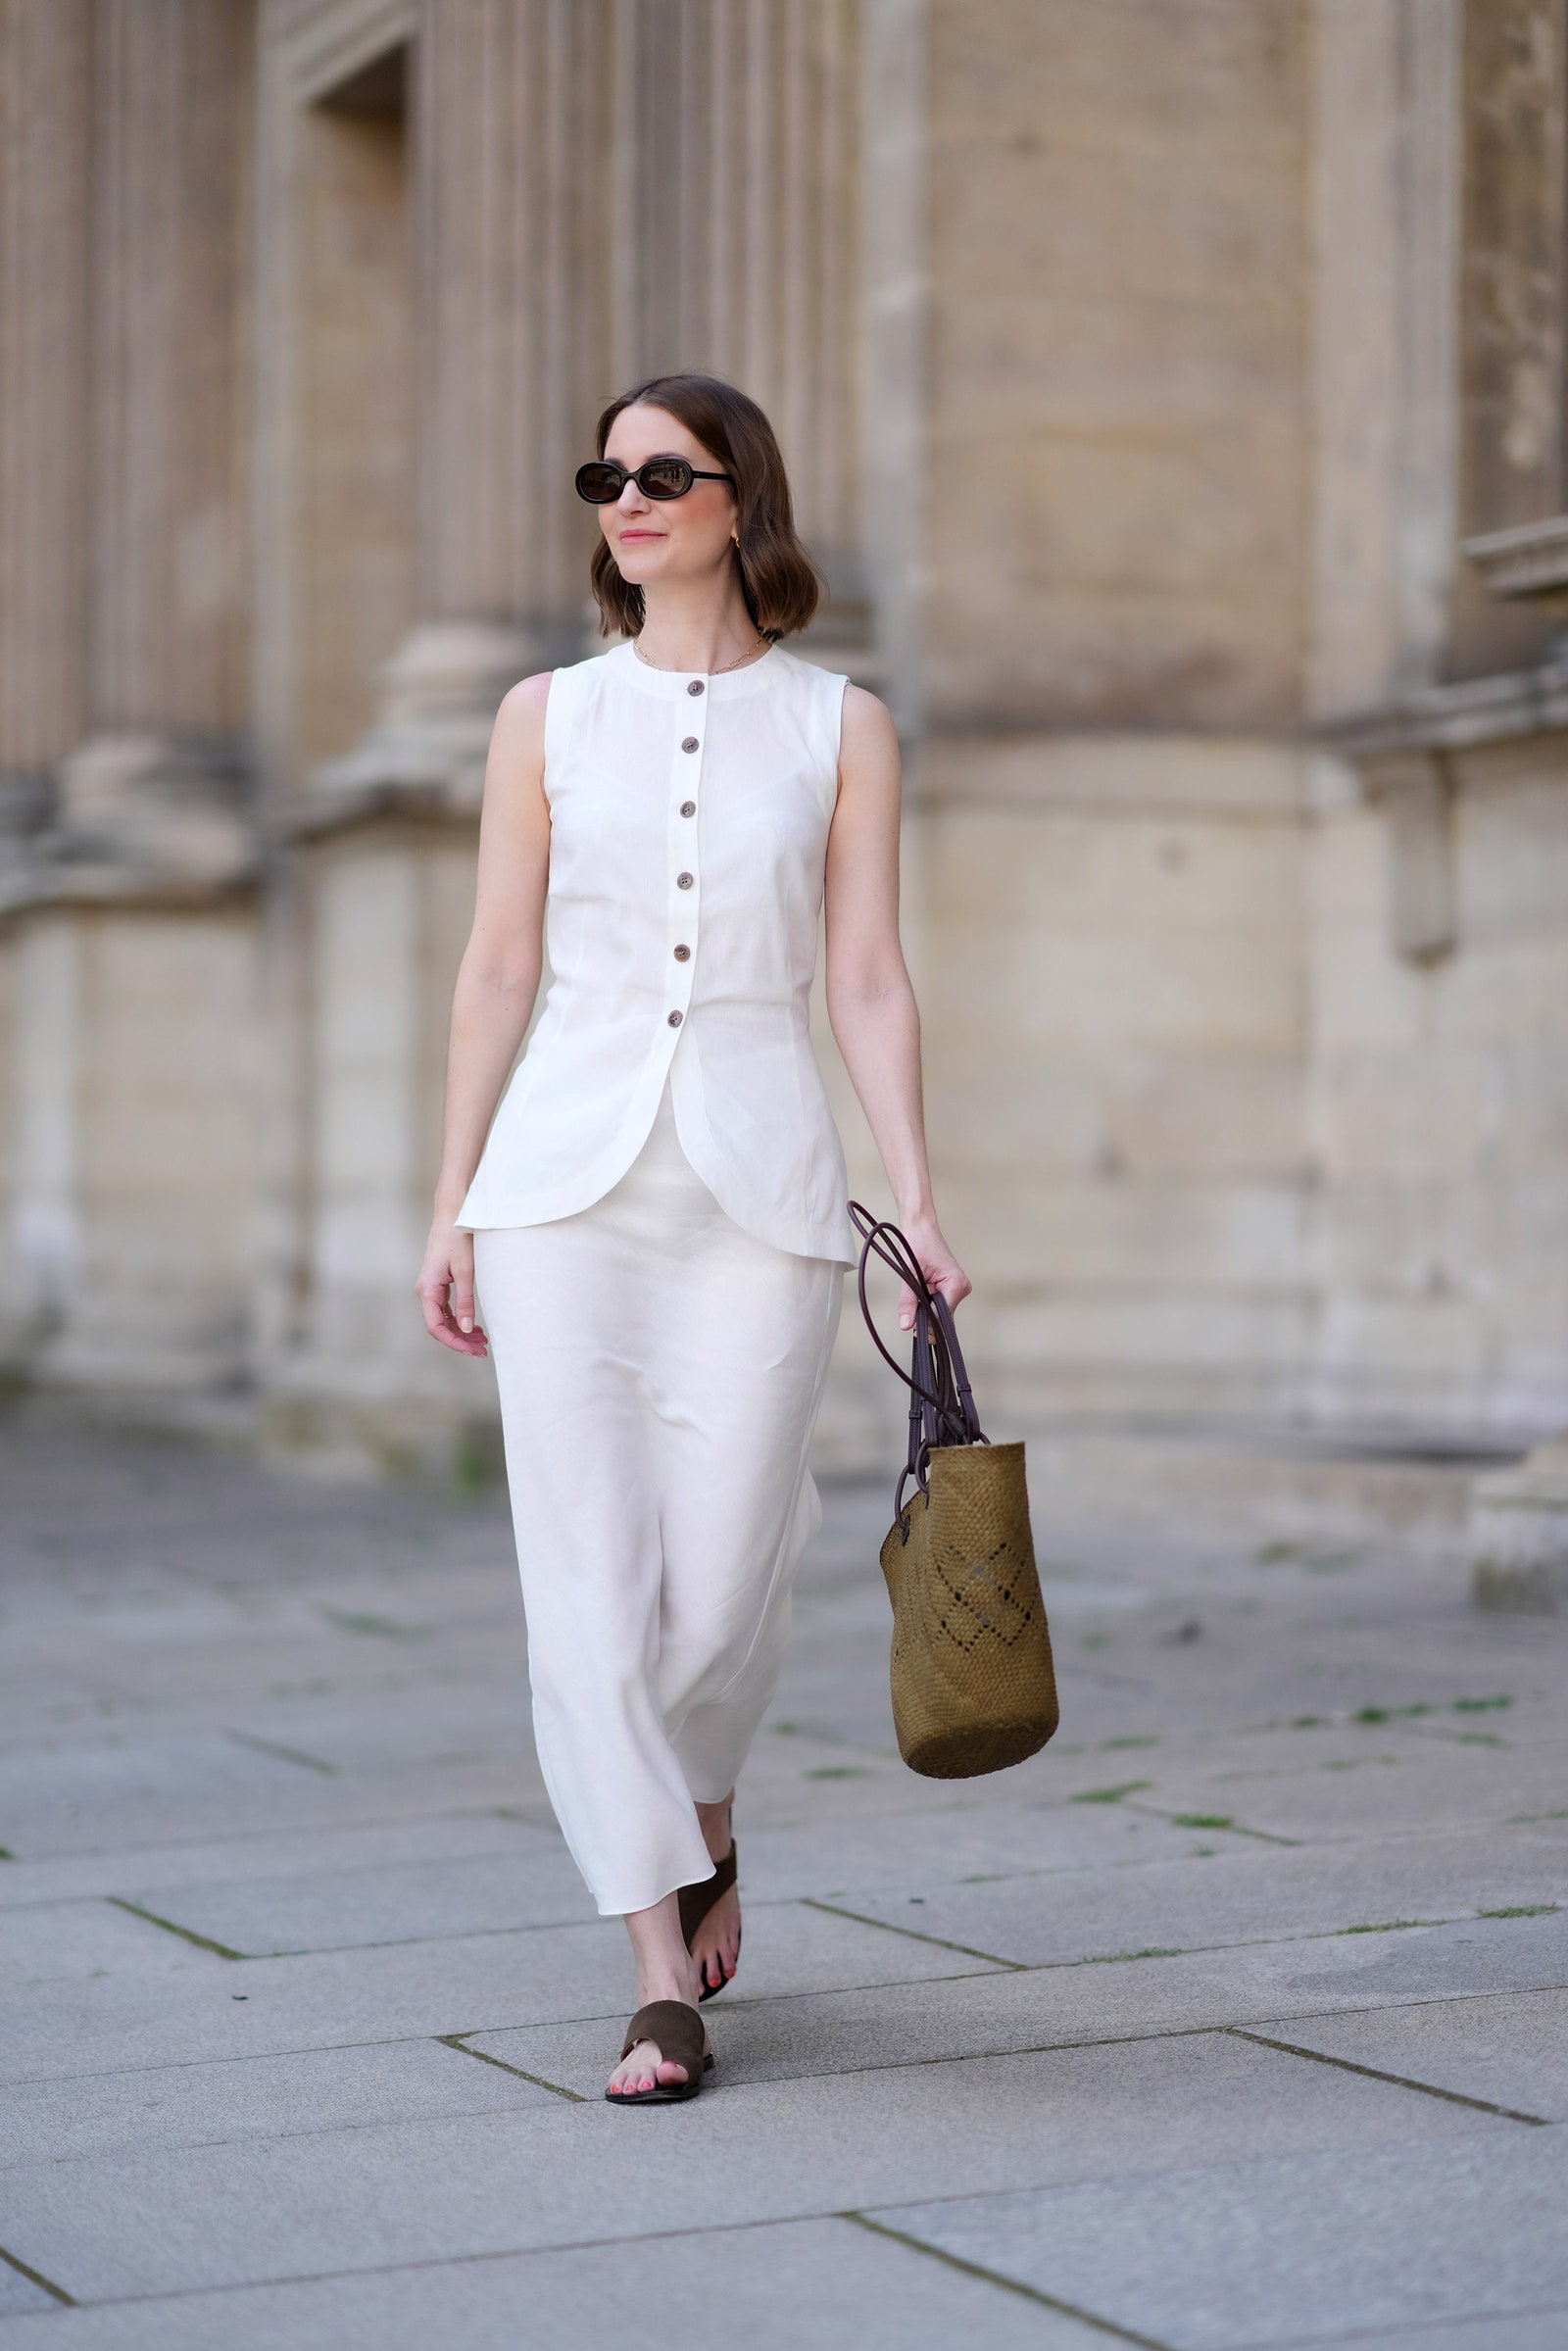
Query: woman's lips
628, 535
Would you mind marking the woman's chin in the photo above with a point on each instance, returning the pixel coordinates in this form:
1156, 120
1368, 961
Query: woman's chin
639, 564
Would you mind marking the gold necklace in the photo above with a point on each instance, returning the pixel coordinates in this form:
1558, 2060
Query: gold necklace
748, 655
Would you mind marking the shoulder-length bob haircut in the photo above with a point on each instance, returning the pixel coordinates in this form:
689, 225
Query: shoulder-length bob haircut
779, 581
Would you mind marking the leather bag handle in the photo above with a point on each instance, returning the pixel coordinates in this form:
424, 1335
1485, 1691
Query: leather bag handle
942, 1406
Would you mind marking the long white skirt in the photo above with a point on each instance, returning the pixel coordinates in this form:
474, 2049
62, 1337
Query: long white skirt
661, 1372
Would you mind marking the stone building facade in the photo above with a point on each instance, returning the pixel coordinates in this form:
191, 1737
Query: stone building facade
1174, 391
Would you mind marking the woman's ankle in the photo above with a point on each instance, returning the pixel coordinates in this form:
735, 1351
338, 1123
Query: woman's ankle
668, 1983
715, 1822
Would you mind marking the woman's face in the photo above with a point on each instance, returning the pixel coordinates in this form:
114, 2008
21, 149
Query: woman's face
670, 539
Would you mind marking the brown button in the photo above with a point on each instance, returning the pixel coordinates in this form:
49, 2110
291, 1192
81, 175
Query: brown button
696, 686
683, 954
689, 743
688, 808
683, 881
675, 1020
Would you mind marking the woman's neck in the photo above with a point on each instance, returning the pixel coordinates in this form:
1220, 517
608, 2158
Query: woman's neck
700, 633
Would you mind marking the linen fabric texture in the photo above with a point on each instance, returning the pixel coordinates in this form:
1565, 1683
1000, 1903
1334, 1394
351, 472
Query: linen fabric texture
659, 1371
737, 882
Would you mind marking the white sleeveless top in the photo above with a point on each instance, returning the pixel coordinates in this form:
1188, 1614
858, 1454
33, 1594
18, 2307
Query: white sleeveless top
689, 818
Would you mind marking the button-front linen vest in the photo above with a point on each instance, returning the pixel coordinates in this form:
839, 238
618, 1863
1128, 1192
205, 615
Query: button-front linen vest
689, 818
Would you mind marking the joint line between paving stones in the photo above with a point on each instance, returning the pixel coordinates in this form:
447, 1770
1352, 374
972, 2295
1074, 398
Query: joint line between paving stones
942, 1942
1012, 2286
1374, 2073
239, 1836
36, 2277
203, 1942
1264, 1837
271, 1746
455, 2040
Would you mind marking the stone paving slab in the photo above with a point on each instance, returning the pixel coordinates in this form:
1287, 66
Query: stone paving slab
1288, 2249
1536, 2330
65, 1942
302, 2205
1512, 2050
19, 2295
1414, 1789
308, 1800
1268, 1987
365, 1843
1234, 1896
824, 2284
259, 2097
959, 1848
221, 2008
419, 1901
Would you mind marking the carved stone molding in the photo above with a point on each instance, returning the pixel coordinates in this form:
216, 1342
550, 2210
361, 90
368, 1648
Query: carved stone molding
1462, 717
425, 754
139, 820
1530, 561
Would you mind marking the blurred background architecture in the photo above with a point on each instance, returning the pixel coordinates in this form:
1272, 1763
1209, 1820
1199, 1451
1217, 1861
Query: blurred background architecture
1174, 391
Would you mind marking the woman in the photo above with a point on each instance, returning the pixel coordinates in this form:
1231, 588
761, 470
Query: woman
657, 1222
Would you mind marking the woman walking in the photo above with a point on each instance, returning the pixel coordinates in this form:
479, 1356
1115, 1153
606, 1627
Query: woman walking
656, 1223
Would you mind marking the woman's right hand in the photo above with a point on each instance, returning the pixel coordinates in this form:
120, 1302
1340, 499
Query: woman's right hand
445, 1290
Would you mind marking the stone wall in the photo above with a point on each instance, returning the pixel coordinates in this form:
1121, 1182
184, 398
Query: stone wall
1141, 370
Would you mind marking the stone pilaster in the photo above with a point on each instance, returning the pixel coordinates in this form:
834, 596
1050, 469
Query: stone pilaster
126, 912
511, 364
45, 141
736, 235
171, 139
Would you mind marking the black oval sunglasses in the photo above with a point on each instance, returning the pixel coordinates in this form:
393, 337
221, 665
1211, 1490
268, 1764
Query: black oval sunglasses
600, 483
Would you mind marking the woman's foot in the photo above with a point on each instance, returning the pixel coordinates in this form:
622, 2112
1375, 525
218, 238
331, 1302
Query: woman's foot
716, 1944
646, 2067
665, 1972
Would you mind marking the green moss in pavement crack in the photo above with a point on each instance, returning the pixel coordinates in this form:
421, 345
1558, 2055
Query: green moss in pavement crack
1111, 1795
1117, 1958
1387, 1925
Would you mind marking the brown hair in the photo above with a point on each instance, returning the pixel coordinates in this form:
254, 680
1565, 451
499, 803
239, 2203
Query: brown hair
779, 581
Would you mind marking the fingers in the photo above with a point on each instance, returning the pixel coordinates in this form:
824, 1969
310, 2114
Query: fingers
445, 1323
463, 1300
905, 1307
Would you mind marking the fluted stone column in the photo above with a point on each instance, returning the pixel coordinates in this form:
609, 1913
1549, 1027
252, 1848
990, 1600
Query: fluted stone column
134, 947
509, 295
509, 106
44, 137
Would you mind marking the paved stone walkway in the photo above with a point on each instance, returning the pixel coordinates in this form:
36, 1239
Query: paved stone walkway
1235, 2019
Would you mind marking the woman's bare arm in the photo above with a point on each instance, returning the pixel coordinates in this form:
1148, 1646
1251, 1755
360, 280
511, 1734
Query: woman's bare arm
871, 1002
492, 1002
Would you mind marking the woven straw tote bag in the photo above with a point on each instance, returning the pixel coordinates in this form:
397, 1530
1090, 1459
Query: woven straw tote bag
974, 1688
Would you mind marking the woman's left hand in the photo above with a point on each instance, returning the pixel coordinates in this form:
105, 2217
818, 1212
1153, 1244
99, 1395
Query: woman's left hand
936, 1262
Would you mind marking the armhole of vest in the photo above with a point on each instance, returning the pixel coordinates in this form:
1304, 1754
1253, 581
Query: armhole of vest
836, 686
561, 708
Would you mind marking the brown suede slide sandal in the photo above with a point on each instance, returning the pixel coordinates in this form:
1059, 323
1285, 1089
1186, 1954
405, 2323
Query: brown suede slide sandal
677, 2033
696, 1901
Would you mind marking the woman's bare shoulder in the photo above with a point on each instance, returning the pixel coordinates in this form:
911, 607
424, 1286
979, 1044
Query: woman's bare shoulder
867, 736
522, 706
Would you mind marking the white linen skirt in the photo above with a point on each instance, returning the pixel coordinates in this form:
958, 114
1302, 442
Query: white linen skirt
661, 1371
